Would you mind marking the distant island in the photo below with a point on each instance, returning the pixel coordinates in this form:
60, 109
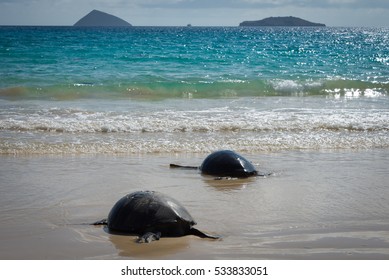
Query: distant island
98, 18
280, 21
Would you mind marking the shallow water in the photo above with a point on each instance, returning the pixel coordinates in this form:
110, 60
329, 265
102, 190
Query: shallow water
316, 205
251, 124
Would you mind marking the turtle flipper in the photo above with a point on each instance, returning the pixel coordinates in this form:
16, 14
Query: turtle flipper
264, 174
196, 232
172, 165
102, 222
149, 237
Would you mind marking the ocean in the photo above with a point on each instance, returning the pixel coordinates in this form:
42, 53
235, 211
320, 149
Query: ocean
90, 114
155, 89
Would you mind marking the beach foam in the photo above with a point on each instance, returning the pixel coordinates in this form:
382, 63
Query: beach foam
262, 124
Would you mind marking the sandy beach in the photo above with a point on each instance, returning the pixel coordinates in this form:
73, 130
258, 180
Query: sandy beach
316, 205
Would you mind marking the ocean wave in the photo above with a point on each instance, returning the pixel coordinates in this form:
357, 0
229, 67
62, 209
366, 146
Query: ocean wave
157, 88
193, 129
223, 119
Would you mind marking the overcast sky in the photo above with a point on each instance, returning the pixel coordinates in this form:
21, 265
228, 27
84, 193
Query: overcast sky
196, 12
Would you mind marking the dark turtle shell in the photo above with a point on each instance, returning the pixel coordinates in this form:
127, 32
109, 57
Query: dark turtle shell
148, 211
227, 163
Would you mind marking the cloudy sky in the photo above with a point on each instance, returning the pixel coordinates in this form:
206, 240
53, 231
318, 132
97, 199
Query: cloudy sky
197, 12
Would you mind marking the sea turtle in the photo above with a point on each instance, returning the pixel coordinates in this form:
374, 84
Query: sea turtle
225, 163
151, 215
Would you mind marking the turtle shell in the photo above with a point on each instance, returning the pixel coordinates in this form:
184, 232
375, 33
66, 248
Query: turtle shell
227, 163
149, 211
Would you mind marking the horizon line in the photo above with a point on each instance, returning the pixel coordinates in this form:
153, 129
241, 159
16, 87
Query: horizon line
191, 26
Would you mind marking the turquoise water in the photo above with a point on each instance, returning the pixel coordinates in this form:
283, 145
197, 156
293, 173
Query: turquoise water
75, 90
203, 61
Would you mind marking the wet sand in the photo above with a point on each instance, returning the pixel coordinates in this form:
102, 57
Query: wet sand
316, 205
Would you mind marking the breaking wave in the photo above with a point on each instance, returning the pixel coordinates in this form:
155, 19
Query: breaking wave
252, 124
200, 88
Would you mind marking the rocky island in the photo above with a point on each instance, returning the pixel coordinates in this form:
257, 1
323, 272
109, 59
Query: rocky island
280, 21
98, 19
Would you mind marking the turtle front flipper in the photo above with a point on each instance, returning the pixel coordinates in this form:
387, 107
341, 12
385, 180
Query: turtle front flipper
264, 174
102, 222
149, 237
196, 232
